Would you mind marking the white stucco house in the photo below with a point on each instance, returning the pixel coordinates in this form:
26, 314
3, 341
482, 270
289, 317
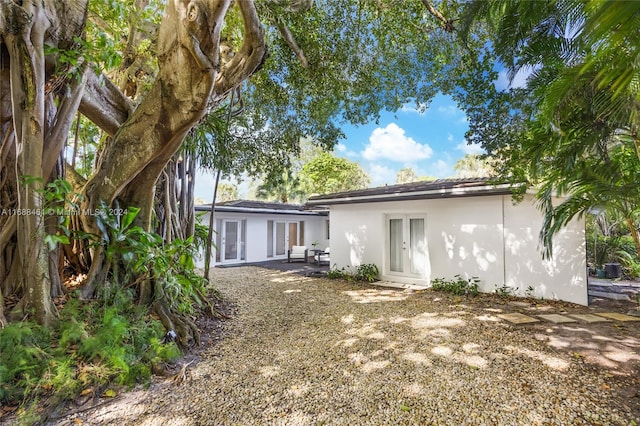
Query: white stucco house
255, 231
436, 229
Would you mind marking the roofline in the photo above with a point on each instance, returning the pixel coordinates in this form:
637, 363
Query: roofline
501, 189
231, 209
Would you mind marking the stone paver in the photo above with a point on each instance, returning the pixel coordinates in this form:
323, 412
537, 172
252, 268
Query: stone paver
589, 318
518, 318
557, 318
618, 317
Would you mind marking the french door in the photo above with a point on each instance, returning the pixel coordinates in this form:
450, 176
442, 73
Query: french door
282, 235
407, 246
230, 240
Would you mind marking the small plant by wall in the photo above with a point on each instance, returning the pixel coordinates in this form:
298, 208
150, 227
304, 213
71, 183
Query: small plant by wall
458, 285
367, 272
505, 291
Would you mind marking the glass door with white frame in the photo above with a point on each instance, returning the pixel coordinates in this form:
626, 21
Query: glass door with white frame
286, 235
407, 246
231, 243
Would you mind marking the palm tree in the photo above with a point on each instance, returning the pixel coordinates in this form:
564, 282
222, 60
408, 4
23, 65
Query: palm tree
472, 165
283, 187
575, 126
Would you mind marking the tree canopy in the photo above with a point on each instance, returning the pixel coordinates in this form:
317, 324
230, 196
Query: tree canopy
568, 129
327, 173
242, 82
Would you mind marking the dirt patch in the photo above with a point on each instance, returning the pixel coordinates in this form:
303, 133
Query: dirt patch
296, 350
611, 348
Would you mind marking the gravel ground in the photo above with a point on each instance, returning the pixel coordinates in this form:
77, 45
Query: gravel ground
309, 351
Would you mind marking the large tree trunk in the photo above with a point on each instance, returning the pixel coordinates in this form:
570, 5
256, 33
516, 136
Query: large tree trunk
37, 109
32, 132
27, 68
188, 83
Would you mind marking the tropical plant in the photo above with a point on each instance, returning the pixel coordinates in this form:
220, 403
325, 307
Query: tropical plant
283, 187
458, 285
573, 130
328, 173
367, 272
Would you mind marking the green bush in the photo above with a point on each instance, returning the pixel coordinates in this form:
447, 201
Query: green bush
630, 264
336, 274
367, 272
109, 340
458, 285
25, 355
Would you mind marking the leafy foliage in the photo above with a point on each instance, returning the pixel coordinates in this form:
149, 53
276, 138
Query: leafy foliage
458, 285
367, 272
144, 256
571, 128
281, 186
94, 343
327, 173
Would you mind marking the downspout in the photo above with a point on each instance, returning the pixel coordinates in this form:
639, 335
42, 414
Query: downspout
504, 247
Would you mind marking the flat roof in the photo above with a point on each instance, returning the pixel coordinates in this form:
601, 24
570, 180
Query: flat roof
250, 206
440, 188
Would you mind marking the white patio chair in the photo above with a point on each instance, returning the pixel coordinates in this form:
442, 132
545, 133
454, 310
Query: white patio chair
297, 254
323, 256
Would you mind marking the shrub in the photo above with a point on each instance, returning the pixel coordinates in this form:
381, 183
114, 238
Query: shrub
458, 285
107, 340
367, 272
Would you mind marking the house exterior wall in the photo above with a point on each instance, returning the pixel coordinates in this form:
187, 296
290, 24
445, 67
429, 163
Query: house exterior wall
562, 277
256, 232
486, 237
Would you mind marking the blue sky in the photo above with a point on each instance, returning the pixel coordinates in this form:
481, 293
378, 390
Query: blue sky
429, 142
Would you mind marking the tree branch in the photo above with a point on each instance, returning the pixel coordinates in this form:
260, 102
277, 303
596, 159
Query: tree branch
57, 133
104, 104
447, 24
251, 55
291, 42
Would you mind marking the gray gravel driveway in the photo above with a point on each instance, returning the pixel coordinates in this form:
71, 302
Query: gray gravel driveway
309, 351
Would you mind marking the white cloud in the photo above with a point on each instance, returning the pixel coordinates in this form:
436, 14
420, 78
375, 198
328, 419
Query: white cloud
411, 107
519, 80
391, 143
449, 109
470, 149
343, 150
381, 175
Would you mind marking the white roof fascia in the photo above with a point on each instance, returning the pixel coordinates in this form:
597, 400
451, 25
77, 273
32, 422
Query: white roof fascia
253, 210
389, 197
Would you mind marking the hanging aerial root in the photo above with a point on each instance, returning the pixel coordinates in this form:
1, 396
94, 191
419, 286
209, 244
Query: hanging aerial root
186, 331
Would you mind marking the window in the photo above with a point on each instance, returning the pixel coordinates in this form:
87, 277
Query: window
269, 238
218, 231
327, 228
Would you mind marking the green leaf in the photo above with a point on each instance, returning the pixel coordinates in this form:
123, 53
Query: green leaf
129, 216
